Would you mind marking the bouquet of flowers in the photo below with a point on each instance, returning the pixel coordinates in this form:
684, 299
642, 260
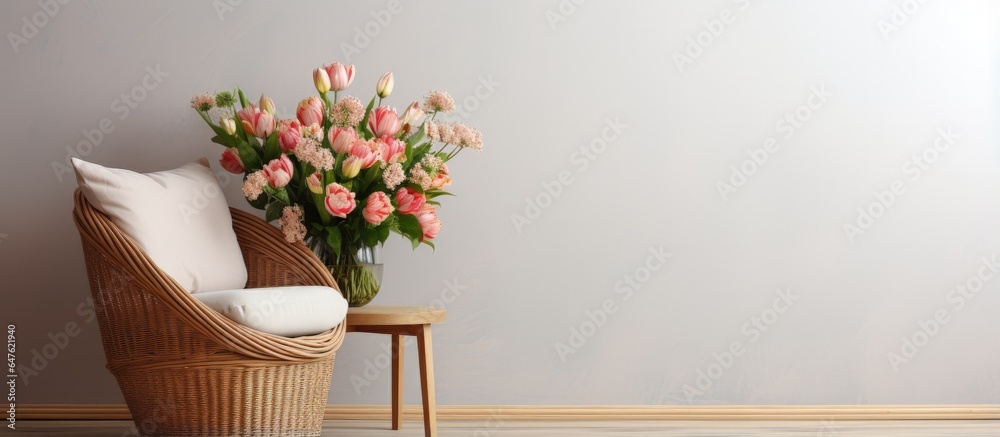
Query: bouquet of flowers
342, 176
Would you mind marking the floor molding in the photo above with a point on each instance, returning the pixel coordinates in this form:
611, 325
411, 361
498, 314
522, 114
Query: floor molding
546, 412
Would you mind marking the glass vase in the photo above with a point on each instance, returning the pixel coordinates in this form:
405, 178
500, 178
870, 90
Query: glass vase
357, 270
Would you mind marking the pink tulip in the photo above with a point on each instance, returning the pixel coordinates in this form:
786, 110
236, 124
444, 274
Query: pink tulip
339, 200
341, 139
429, 222
231, 161
383, 121
310, 111
393, 150
377, 208
367, 152
441, 179
289, 134
409, 200
413, 115
340, 75
315, 182
256, 122
279, 171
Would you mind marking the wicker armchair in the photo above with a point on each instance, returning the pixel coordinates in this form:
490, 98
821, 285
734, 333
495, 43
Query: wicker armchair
186, 370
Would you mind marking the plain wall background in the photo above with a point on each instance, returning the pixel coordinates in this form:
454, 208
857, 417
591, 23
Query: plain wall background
558, 80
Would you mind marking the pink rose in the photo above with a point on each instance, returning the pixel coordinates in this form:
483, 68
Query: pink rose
377, 208
310, 111
289, 134
340, 75
383, 121
256, 122
339, 200
429, 222
279, 171
409, 200
231, 161
441, 179
341, 139
393, 150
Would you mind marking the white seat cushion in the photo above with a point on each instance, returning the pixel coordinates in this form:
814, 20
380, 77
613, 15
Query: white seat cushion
286, 311
179, 217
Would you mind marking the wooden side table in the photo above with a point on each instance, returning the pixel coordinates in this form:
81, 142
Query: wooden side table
398, 321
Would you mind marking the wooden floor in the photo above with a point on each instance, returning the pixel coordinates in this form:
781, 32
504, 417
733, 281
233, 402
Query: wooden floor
362, 428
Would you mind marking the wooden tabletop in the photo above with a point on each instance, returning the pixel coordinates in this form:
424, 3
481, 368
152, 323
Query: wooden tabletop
382, 315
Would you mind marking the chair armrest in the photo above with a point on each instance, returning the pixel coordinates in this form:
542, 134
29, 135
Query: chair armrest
272, 261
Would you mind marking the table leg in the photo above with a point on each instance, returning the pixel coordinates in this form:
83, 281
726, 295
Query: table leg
397, 381
427, 380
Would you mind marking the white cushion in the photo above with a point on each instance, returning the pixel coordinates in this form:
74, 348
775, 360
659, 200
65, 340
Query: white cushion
286, 311
179, 217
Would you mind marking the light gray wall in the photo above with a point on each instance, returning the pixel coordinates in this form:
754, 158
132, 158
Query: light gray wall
562, 73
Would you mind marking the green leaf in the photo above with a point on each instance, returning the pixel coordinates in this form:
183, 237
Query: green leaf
383, 232
280, 194
413, 140
226, 141
243, 99
274, 210
370, 237
409, 226
248, 155
333, 238
271, 148
437, 193
417, 136
363, 125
